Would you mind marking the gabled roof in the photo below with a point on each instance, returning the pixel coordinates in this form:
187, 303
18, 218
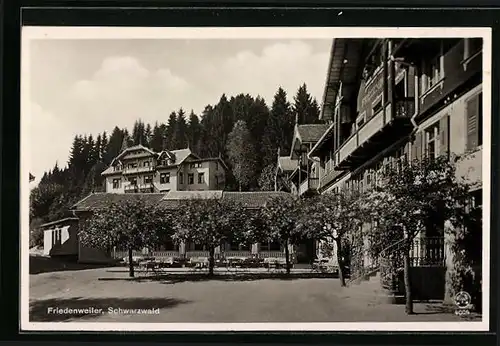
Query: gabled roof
286, 164
311, 133
328, 134
183, 154
135, 147
110, 171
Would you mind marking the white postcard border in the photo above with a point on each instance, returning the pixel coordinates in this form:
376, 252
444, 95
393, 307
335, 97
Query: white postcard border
36, 33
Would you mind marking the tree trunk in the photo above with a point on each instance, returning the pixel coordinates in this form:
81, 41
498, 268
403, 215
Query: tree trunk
287, 257
340, 262
130, 263
407, 280
211, 261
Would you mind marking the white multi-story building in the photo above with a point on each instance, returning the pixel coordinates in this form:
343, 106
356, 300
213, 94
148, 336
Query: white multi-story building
139, 169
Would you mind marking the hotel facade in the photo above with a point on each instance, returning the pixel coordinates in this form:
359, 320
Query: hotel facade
139, 169
387, 101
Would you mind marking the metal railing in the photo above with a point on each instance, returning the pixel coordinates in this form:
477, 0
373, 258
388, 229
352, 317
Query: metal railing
424, 251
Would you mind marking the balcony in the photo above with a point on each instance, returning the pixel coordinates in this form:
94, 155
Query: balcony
136, 170
136, 188
377, 133
310, 185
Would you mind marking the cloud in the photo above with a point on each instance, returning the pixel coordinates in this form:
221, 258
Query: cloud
124, 88
283, 64
49, 140
121, 91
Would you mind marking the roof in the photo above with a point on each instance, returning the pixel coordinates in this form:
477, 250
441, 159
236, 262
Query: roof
182, 154
311, 133
174, 198
132, 148
104, 199
179, 195
286, 164
61, 221
327, 135
255, 199
346, 57
110, 171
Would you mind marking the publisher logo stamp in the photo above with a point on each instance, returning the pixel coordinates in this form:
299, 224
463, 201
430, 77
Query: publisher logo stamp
463, 302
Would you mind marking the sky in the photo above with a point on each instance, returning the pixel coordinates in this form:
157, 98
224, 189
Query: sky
87, 86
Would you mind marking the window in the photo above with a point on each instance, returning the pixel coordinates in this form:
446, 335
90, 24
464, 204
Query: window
201, 178
377, 107
216, 182
164, 162
181, 178
116, 183
400, 158
133, 181
132, 165
196, 165
190, 178
165, 178
148, 179
432, 73
216, 166
432, 141
270, 246
198, 247
237, 246
168, 245
360, 122
56, 237
146, 163
474, 121
472, 46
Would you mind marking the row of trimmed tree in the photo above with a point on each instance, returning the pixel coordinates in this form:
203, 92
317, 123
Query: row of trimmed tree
398, 208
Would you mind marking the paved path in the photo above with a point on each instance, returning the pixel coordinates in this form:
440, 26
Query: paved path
196, 299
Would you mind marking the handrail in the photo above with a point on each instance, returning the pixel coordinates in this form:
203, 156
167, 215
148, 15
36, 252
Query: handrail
381, 258
382, 253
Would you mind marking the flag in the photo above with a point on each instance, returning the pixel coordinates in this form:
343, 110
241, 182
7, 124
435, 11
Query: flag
32, 177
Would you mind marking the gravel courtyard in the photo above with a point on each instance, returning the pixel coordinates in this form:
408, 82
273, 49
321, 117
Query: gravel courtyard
222, 299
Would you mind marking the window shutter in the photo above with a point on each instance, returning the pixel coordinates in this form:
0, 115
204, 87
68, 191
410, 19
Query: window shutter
417, 147
444, 134
472, 123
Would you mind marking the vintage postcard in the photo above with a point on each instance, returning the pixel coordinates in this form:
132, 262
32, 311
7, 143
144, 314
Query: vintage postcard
255, 179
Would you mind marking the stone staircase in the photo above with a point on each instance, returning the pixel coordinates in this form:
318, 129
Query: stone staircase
370, 286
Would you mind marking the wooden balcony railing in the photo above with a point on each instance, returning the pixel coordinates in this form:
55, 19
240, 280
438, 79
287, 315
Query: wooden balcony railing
404, 108
132, 170
138, 187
